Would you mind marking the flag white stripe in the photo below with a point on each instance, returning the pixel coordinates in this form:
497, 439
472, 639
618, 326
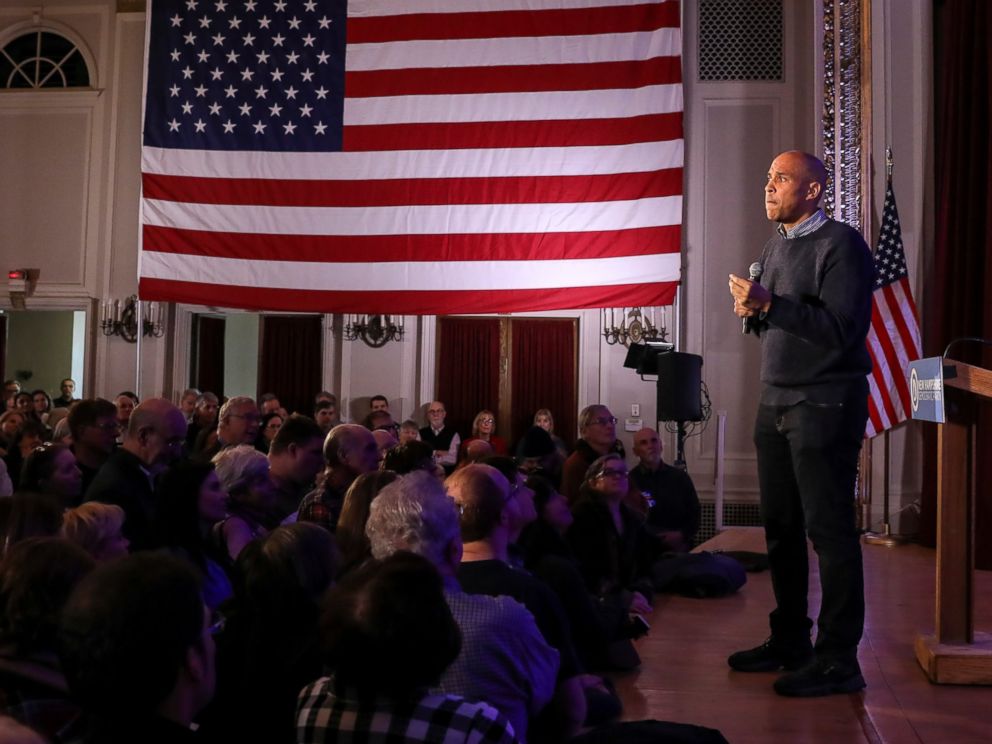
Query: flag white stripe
883, 415
892, 331
370, 166
537, 106
415, 220
882, 371
523, 50
908, 320
431, 276
370, 8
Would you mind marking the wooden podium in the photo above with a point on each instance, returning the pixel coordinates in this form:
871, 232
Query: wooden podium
955, 653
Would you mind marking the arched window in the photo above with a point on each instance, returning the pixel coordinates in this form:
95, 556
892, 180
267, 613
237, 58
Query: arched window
42, 59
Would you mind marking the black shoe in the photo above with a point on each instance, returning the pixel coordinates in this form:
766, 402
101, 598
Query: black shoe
822, 676
771, 656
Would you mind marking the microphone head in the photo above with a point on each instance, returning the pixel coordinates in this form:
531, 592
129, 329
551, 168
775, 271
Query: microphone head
754, 271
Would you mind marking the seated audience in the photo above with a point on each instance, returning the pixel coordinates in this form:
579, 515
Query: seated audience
409, 432
68, 388
504, 658
142, 668
10, 424
597, 437
484, 429
62, 435
204, 419
96, 528
41, 405
664, 494
29, 515
187, 403
269, 648
269, 403
544, 419
378, 403
406, 458
488, 511
51, 469
93, 426
267, 430
125, 403
600, 626
614, 550
24, 403
193, 501
352, 541
244, 475
31, 434
237, 423
36, 579
387, 635
10, 390
349, 451
537, 455
155, 433
296, 457
385, 440
443, 439
383, 421
325, 413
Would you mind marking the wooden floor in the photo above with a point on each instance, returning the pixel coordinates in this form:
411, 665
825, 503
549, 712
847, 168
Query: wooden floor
684, 676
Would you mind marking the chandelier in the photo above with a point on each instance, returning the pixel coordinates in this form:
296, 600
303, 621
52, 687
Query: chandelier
120, 318
628, 325
374, 330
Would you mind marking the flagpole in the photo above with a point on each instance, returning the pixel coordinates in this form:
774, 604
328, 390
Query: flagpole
885, 537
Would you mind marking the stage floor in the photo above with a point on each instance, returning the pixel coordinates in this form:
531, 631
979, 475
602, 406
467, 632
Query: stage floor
684, 676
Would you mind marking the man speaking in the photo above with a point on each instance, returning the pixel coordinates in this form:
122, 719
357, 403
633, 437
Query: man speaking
811, 311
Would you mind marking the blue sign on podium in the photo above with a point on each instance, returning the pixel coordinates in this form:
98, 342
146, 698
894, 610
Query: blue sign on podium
926, 389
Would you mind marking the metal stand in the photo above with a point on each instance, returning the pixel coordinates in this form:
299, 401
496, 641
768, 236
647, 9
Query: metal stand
885, 537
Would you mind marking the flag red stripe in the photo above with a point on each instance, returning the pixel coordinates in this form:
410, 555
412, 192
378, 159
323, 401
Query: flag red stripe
408, 301
381, 248
416, 191
904, 341
885, 343
874, 420
513, 78
876, 398
513, 23
538, 133
899, 313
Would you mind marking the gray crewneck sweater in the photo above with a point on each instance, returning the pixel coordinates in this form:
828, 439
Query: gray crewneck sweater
813, 335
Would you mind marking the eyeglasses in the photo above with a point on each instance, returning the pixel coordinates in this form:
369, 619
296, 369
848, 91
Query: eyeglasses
604, 420
487, 421
611, 473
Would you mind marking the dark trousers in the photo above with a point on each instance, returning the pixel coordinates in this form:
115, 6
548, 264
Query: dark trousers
807, 468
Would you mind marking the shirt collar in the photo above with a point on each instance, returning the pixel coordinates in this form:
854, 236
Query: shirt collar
808, 226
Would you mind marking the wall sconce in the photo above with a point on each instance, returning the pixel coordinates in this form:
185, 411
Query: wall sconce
120, 318
374, 330
642, 325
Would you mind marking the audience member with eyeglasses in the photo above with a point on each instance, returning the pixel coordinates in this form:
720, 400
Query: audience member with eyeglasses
614, 549
484, 429
597, 437
93, 427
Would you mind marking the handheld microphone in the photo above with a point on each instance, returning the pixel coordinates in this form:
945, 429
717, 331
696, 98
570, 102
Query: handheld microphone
754, 274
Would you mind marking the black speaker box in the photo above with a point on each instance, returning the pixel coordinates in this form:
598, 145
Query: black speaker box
679, 384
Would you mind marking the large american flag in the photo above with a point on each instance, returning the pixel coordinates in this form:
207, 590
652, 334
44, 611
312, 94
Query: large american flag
412, 156
894, 337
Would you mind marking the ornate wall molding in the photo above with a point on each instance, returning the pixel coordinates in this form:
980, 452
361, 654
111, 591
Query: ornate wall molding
846, 120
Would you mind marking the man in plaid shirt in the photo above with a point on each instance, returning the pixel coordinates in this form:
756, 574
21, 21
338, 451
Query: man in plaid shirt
388, 635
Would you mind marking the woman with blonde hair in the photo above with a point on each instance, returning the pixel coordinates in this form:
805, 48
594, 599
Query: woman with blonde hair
96, 528
544, 419
484, 429
244, 473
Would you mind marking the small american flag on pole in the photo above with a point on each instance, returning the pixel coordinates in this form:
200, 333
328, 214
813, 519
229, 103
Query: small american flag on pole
894, 336
412, 156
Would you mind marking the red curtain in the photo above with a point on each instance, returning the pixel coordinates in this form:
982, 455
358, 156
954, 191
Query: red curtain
467, 369
208, 372
959, 299
3, 347
544, 372
290, 364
